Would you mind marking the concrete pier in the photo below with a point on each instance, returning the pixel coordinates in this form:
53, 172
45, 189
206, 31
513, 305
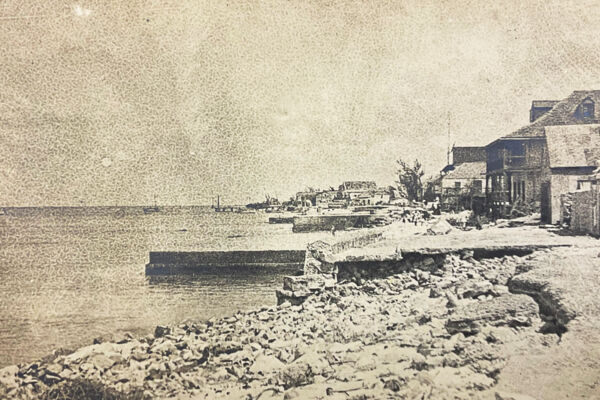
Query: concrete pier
175, 262
313, 223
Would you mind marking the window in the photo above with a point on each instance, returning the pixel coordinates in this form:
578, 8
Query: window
523, 190
456, 185
586, 109
515, 153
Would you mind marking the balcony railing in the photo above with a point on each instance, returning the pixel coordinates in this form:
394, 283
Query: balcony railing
516, 161
508, 162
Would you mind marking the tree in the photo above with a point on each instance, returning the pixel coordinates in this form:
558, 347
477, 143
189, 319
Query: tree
409, 180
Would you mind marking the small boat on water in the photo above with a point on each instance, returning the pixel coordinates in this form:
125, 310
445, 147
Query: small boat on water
2, 211
153, 209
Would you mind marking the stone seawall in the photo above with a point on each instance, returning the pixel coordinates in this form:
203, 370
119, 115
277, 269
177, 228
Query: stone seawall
445, 333
486, 325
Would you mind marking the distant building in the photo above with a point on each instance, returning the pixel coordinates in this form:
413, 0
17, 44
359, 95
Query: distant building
357, 185
323, 199
517, 163
573, 154
372, 197
306, 198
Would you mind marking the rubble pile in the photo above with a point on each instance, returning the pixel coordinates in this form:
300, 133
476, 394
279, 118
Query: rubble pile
438, 333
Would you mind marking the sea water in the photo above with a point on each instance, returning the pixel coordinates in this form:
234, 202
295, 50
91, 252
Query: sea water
69, 275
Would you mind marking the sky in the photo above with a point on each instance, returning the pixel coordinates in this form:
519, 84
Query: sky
123, 102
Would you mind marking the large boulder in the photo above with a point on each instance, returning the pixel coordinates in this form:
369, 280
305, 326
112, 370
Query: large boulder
8, 377
305, 283
440, 227
319, 258
506, 310
474, 289
265, 364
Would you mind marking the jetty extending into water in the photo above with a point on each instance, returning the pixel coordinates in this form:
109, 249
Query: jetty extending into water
177, 262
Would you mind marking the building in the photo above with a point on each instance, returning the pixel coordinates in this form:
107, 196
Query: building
582, 207
462, 180
323, 199
372, 197
464, 185
517, 164
306, 199
465, 154
357, 185
573, 154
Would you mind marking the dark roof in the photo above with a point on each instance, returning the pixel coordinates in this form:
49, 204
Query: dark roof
470, 170
563, 113
544, 103
573, 145
447, 168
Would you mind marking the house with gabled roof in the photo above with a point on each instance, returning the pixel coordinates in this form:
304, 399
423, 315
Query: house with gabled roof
464, 185
517, 164
573, 154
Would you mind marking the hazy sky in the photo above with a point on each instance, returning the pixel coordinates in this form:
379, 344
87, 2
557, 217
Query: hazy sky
117, 102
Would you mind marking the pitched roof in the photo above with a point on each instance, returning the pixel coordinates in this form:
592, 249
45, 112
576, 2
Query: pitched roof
471, 170
563, 113
573, 145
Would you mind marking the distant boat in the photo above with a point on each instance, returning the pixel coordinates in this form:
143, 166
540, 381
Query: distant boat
153, 209
150, 210
2, 212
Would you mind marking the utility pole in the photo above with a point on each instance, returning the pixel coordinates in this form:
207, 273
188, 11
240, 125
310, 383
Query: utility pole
448, 152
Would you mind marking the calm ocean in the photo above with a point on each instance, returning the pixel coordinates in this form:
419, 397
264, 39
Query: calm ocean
68, 275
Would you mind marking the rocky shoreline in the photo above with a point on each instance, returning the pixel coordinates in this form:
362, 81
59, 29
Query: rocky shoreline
442, 330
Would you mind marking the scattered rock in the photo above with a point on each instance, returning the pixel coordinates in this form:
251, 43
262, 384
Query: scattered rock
506, 310
264, 365
161, 331
512, 396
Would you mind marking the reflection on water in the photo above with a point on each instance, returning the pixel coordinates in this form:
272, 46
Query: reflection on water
70, 275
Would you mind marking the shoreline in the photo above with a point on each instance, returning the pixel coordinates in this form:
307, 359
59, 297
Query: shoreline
461, 328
